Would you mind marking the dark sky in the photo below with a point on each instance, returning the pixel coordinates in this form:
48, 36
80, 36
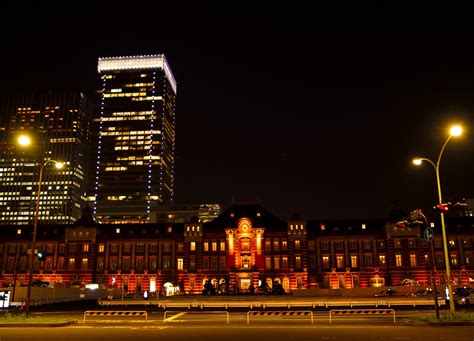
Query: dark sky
317, 112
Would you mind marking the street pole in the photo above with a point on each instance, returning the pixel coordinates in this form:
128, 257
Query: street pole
455, 131
59, 165
15, 274
443, 231
433, 265
33, 243
433, 278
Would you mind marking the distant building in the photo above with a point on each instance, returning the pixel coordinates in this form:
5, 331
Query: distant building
134, 167
59, 126
184, 213
469, 209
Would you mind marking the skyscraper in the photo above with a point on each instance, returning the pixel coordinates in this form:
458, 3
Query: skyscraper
59, 126
136, 138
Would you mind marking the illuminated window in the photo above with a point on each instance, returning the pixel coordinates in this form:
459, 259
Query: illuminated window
325, 261
222, 246
18, 231
284, 262
170, 229
180, 247
297, 244
214, 246
117, 230
297, 262
354, 261
180, 264
284, 245
363, 227
246, 262
268, 262
268, 245
398, 260
206, 246
245, 246
340, 261
276, 245
412, 259
276, 262
193, 246
71, 264
85, 262
454, 258
101, 248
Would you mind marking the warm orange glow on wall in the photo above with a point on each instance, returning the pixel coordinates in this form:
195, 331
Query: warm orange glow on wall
244, 224
259, 243
230, 243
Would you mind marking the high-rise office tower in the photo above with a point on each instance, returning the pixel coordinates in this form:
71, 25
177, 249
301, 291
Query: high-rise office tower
58, 125
136, 138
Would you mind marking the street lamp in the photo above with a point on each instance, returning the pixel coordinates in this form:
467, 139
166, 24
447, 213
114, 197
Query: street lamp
454, 131
25, 141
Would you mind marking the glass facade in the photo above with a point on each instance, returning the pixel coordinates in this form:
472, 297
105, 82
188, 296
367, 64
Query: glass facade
59, 127
136, 137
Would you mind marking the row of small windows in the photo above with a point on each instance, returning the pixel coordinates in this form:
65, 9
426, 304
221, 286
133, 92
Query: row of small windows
297, 226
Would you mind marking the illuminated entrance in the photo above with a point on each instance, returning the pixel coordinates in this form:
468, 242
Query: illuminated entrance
245, 283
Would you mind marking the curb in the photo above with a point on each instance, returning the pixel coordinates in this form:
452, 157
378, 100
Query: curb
437, 324
16, 325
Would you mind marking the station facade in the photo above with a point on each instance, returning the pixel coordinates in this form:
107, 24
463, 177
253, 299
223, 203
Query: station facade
245, 245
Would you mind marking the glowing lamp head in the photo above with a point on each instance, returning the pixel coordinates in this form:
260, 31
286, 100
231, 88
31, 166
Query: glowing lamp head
24, 140
417, 162
455, 131
59, 165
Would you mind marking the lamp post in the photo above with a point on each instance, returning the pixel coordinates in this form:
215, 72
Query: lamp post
58, 165
25, 141
454, 131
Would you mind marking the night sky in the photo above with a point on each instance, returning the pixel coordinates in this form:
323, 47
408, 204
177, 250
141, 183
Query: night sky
315, 112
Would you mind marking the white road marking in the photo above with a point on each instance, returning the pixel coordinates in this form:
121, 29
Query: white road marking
173, 317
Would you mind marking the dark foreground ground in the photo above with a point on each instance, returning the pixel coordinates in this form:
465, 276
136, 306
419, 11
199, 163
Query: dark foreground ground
240, 333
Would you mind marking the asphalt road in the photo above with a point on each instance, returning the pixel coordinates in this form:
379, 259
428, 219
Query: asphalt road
230, 333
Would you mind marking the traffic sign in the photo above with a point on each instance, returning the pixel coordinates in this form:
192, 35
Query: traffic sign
428, 234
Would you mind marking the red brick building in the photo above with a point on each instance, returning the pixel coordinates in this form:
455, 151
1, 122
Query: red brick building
244, 245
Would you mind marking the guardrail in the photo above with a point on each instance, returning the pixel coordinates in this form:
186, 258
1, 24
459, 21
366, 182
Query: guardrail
193, 303
226, 313
109, 313
362, 312
280, 313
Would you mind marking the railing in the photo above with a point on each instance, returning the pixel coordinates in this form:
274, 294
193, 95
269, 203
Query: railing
280, 313
295, 303
362, 312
